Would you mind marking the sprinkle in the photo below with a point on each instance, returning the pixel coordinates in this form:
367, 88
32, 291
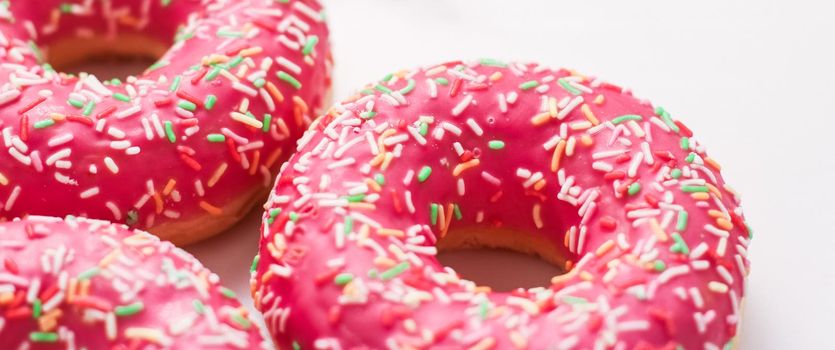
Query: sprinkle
343, 279
395, 271
310, 44
128, 310
43, 337
216, 137
424, 173
496, 144
287, 78
169, 131
210, 102
528, 85
627, 117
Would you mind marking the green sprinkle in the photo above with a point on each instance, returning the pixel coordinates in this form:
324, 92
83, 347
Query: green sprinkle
496, 144
115, 82
343, 279
259, 83
175, 84
75, 103
169, 130
227, 292
293, 216
424, 129
157, 65
36, 50
122, 97
132, 217
634, 188
387, 78
433, 213
442, 81
166, 2
685, 143
382, 88
198, 306
44, 123
368, 114
680, 246
241, 320
273, 214
409, 87
659, 265
681, 223
216, 137
395, 271
88, 108
529, 85
43, 337
235, 61
484, 309
187, 105
130, 309
254, 264
692, 189
665, 117
228, 34
567, 87
349, 225
310, 44
212, 74
356, 198
626, 117
89, 273
296, 345
380, 179
690, 157
457, 210
492, 63
268, 120
210, 102
424, 173
287, 78
37, 307
676, 173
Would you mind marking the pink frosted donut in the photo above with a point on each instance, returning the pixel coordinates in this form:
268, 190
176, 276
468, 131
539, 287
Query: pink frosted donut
517, 156
88, 284
185, 149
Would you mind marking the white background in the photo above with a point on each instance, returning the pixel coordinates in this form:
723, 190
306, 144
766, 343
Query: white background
754, 80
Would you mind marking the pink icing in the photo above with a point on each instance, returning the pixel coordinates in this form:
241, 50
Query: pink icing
81, 283
152, 159
655, 241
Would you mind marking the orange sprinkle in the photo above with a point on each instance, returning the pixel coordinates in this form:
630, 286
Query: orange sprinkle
712, 163
724, 224
373, 185
495, 76
158, 203
391, 232
599, 99
448, 217
256, 160
274, 92
362, 205
211, 209
464, 166
377, 160
715, 213
169, 187
537, 215
558, 151
700, 196
539, 184
589, 114
540, 119
586, 276
251, 51
109, 258
553, 111
273, 158
586, 140
387, 160
714, 190
300, 109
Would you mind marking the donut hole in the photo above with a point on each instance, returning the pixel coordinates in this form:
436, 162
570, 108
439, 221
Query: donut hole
130, 55
501, 259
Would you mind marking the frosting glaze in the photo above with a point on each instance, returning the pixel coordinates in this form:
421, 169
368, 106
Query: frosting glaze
89, 284
210, 121
653, 240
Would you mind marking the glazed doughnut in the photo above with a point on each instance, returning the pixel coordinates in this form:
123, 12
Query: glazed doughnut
89, 284
183, 150
515, 156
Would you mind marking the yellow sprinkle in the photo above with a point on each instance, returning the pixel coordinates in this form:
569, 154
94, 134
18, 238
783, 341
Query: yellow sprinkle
555, 160
599, 100
464, 166
242, 118
657, 230
495, 76
109, 258
589, 114
251, 51
217, 174
150, 334
553, 111
604, 248
540, 119
700, 196
3, 180
391, 232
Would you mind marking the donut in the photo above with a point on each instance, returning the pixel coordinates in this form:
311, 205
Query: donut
502, 155
89, 284
183, 150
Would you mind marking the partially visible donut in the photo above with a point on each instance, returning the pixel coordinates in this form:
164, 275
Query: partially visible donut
516, 156
185, 149
89, 284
